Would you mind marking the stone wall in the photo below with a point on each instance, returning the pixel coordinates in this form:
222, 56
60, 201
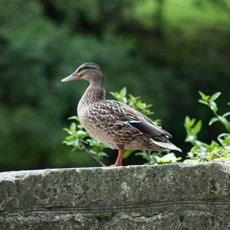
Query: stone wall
179, 196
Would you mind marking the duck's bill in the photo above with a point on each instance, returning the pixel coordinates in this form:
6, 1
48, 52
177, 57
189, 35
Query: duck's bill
69, 78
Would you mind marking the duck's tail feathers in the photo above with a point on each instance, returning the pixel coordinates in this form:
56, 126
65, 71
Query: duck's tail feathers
166, 145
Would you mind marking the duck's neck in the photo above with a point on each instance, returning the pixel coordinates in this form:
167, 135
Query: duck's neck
94, 93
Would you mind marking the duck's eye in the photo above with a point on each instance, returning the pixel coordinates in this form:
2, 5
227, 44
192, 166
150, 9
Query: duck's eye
80, 73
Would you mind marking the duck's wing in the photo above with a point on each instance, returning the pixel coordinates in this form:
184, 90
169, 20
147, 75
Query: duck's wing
140, 122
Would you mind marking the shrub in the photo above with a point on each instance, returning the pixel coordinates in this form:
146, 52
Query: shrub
218, 149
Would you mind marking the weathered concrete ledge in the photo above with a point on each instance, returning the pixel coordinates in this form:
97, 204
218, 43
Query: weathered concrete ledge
180, 196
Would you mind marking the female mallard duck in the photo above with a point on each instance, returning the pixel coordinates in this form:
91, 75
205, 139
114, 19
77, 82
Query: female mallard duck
115, 124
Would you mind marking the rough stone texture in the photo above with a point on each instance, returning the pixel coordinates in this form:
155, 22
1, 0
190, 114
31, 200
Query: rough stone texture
180, 196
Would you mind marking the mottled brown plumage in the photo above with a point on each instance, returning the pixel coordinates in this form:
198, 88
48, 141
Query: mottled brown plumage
115, 124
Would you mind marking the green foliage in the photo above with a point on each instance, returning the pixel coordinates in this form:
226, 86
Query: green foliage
210, 102
216, 150
158, 158
159, 51
79, 139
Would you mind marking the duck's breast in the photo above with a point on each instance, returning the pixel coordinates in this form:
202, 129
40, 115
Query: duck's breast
98, 121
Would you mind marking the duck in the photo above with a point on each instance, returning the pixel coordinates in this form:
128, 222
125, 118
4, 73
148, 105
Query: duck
113, 123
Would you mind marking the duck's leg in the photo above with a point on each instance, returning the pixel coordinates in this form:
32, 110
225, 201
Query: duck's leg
120, 156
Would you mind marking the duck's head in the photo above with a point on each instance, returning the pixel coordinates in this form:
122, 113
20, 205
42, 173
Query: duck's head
88, 71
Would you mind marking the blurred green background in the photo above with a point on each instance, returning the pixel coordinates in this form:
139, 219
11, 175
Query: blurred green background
162, 50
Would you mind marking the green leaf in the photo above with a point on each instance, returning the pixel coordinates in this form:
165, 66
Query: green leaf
224, 120
215, 96
168, 158
203, 96
158, 121
73, 126
213, 106
203, 102
224, 139
73, 118
197, 127
190, 138
213, 120
128, 153
210, 156
226, 114
188, 123
123, 92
